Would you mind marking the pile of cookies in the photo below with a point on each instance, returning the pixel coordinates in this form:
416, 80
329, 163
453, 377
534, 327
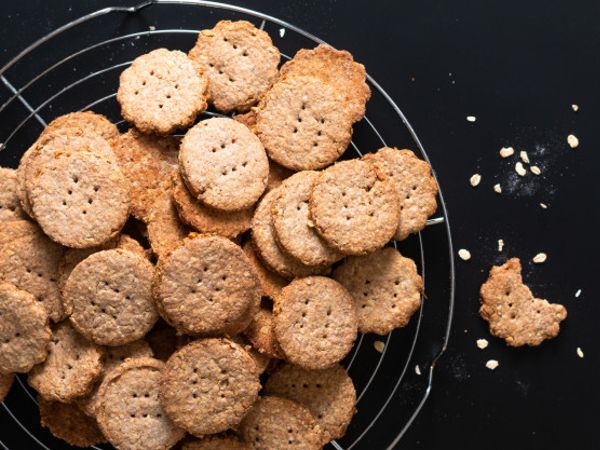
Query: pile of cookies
206, 289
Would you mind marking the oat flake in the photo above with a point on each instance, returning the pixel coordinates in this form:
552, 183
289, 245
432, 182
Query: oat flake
482, 343
379, 346
498, 189
500, 244
535, 170
524, 157
471, 118
492, 364
464, 254
579, 352
575, 107
417, 369
505, 152
572, 141
475, 179
540, 258
520, 169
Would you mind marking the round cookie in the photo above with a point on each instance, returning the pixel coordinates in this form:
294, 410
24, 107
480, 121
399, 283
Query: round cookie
261, 335
72, 366
15, 229
304, 123
206, 219
293, 227
10, 207
162, 91
261, 360
270, 283
216, 442
69, 423
208, 386
414, 183
24, 331
354, 207
89, 121
386, 289
207, 286
80, 199
146, 161
224, 164
108, 297
276, 423
6, 381
329, 394
240, 62
130, 413
315, 322
267, 248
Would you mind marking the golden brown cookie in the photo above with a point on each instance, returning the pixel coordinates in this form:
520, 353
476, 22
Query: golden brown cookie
162, 91
261, 360
354, 207
89, 121
10, 207
277, 174
386, 289
261, 334
315, 322
270, 283
512, 311
240, 62
208, 386
248, 119
304, 123
12, 230
216, 442
6, 381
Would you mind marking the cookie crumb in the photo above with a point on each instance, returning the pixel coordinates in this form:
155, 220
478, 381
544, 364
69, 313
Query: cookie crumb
535, 170
572, 141
281, 32
482, 343
524, 157
492, 364
471, 119
578, 293
464, 254
379, 346
540, 258
152, 28
543, 206
575, 107
498, 189
417, 369
580, 352
520, 169
505, 152
500, 244
475, 180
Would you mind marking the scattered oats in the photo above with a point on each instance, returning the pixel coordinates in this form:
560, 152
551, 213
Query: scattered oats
498, 189
500, 244
505, 152
535, 170
575, 107
379, 346
543, 206
281, 32
417, 370
579, 352
492, 364
540, 258
471, 118
475, 180
520, 169
152, 28
464, 254
482, 343
572, 141
524, 157
465, 330
578, 293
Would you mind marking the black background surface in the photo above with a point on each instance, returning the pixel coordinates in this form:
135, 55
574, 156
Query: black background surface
517, 67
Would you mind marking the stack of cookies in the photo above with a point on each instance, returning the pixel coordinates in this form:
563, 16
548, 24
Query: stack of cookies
206, 289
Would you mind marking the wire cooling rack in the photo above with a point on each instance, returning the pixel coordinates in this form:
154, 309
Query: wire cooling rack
76, 67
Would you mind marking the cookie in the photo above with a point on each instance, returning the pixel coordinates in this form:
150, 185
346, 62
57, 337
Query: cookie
304, 123
108, 297
30, 263
270, 283
20, 187
293, 227
10, 207
277, 174
24, 331
512, 311
248, 119
130, 414
208, 386
69, 423
261, 360
72, 366
207, 286
315, 322
15, 229
206, 219
267, 248
146, 161
80, 199
89, 121
278, 423
224, 164
354, 207
386, 289
261, 335
240, 62
216, 442
162, 91
337, 68
6, 381
126, 242
415, 185
329, 395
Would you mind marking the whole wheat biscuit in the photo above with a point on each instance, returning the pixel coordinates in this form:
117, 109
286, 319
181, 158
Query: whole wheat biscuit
162, 91
207, 286
267, 248
146, 161
69, 423
216, 442
15, 229
329, 394
240, 62
108, 297
248, 119
208, 386
415, 185
80, 199
337, 68
72, 366
270, 283
206, 219
6, 381
261, 360
315, 322
293, 227
126, 242
354, 207
277, 174
10, 207
89, 121
304, 123
386, 289
276, 423
24, 331
261, 335
512, 311
130, 414
224, 164
31, 264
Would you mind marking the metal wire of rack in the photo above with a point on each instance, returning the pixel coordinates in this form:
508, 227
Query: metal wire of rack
398, 400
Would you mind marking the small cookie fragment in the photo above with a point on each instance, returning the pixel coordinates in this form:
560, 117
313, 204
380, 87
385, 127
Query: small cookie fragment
162, 91
10, 207
315, 322
386, 289
6, 381
240, 62
208, 386
270, 283
261, 334
69, 423
355, 207
329, 394
277, 423
512, 311
216, 442
24, 331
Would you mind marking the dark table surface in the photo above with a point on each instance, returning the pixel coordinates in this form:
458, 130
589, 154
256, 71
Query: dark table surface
517, 67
